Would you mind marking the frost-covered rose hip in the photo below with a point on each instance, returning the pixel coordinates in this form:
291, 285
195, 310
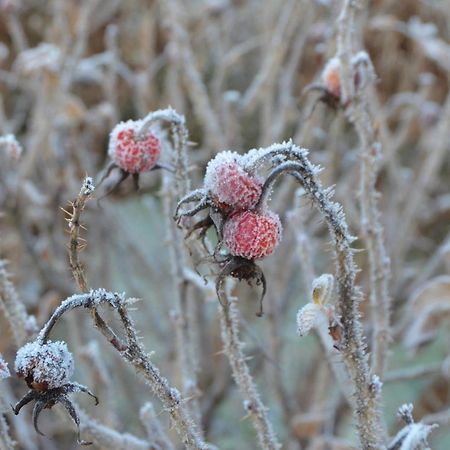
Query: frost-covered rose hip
228, 183
45, 366
132, 153
251, 235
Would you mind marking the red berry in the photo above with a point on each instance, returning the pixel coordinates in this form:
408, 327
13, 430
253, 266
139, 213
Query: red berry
229, 184
331, 77
132, 153
252, 235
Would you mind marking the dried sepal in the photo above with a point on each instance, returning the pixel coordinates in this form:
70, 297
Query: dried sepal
307, 318
322, 289
242, 269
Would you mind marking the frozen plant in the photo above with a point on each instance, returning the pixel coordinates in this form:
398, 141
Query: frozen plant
47, 368
133, 151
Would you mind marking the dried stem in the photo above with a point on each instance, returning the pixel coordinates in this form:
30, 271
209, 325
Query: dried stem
155, 433
135, 355
20, 323
233, 349
74, 229
358, 111
353, 348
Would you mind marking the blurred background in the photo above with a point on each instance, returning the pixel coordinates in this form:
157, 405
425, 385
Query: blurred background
236, 69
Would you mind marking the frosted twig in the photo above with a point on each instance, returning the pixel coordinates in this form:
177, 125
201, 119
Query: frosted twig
358, 111
413, 436
135, 355
197, 90
105, 437
233, 349
155, 433
21, 324
273, 55
348, 295
74, 229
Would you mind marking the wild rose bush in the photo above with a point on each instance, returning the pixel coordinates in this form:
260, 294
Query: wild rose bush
300, 173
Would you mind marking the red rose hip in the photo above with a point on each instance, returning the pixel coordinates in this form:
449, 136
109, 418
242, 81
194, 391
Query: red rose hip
251, 235
132, 153
229, 184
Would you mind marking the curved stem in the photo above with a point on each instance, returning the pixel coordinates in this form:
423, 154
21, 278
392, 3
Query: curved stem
353, 347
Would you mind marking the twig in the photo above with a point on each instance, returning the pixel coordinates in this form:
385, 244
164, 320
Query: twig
233, 349
353, 347
358, 111
155, 433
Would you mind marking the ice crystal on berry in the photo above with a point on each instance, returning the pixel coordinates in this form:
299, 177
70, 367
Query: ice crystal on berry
131, 152
229, 184
251, 235
45, 366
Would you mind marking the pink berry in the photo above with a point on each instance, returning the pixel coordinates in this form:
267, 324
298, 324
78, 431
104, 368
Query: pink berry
331, 77
229, 184
131, 153
252, 235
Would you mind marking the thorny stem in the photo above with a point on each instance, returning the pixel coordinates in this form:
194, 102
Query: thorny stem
135, 355
353, 348
76, 267
359, 114
21, 324
233, 349
74, 229
177, 187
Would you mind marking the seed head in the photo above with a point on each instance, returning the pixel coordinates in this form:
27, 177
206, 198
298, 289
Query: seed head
133, 153
44, 366
252, 235
229, 184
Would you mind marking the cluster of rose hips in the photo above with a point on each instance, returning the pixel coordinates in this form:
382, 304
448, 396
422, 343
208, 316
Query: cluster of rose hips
235, 196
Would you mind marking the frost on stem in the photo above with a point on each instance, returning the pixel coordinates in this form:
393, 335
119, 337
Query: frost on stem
413, 436
132, 352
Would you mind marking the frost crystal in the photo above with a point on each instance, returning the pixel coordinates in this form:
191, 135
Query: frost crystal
376, 385
49, 364
88, 187
4, 371
307, 318
405, 412
228, 182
